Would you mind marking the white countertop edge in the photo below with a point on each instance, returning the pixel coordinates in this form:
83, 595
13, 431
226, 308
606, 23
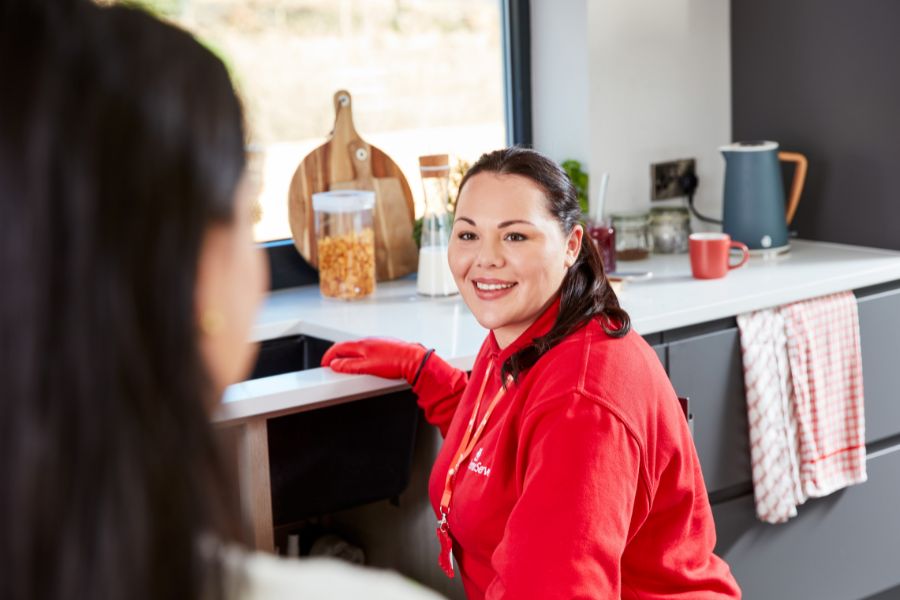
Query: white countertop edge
762, 300
305, 390
298, 391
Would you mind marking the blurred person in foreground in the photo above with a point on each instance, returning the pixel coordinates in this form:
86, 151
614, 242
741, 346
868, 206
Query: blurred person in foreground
129, 285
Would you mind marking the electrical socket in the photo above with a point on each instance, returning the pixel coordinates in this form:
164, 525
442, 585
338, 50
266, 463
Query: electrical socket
665, 178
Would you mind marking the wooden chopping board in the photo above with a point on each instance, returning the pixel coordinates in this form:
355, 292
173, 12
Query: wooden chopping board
346, 161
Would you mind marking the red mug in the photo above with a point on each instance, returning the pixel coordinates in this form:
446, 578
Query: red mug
710, 254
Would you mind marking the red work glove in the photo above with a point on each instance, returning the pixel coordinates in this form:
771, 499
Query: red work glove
391, 359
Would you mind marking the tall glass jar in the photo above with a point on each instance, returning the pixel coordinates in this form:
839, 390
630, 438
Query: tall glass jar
435, 278
670, 227
632, 235
345, 243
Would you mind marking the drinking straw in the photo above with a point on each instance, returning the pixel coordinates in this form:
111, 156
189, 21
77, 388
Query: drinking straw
596, 211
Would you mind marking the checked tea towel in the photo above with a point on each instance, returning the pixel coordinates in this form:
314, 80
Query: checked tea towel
804, 389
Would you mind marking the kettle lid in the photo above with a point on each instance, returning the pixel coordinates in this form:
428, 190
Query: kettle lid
751, 146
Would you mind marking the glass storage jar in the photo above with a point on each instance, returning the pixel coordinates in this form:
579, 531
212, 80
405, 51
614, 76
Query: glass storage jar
345, 243
670, 227
632, 235
434, 277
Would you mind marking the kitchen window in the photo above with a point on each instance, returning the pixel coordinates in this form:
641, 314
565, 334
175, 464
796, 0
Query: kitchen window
426, 77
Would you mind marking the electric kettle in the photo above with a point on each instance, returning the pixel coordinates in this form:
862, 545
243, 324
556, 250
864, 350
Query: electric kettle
754, 208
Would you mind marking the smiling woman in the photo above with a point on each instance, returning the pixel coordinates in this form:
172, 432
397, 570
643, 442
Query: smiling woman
508, 270
568, 470
530, 232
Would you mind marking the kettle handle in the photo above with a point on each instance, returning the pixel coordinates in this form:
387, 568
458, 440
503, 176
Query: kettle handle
797, 184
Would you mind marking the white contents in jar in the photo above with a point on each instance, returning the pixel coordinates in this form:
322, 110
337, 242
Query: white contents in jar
435, 278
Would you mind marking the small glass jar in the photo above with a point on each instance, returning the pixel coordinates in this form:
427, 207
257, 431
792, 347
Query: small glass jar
670, 227
345, 243
632, 235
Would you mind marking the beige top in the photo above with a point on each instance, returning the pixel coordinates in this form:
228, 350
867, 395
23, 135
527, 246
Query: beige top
268, 577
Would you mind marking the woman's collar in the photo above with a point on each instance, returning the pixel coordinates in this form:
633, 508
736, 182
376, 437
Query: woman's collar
541, 326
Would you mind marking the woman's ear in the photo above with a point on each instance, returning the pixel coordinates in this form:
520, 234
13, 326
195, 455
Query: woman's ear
573, 245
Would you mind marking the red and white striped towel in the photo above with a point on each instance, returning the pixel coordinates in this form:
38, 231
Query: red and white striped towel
803, 381
773, 450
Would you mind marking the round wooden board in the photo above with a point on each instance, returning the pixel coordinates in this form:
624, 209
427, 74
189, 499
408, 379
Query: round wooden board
332, 164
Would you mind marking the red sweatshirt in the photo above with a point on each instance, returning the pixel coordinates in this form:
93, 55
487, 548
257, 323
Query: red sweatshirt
585, 482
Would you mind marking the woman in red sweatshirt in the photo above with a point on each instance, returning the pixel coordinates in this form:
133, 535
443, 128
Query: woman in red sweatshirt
568, 470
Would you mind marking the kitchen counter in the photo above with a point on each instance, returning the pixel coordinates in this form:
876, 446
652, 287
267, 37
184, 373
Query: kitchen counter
671, 299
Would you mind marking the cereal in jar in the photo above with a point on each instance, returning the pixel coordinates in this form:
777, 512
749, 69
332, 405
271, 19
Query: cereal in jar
345, 243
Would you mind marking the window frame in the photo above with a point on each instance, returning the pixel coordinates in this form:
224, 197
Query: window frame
288, 269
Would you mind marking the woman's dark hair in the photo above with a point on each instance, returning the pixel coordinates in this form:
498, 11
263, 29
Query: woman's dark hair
585, 293
121, 142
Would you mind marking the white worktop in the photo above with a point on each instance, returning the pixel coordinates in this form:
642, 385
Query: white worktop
670, 299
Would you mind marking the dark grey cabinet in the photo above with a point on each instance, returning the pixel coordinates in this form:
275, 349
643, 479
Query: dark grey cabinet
660, 350
841, 547
845, 546
707, 369
879, 331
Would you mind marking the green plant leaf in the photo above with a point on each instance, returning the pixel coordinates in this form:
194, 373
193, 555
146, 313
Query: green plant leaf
580, 180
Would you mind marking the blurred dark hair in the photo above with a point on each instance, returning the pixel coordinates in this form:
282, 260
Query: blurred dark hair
121, 142
585, 293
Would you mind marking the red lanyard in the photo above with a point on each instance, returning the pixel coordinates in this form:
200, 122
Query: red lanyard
466, 445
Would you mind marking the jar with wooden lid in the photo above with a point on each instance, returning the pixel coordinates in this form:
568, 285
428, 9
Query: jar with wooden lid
434, 277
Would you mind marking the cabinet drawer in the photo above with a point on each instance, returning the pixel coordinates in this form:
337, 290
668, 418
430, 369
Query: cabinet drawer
840, 547
708, 370
879, 332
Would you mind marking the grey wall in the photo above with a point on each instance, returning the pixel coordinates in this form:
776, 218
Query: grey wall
822, 77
